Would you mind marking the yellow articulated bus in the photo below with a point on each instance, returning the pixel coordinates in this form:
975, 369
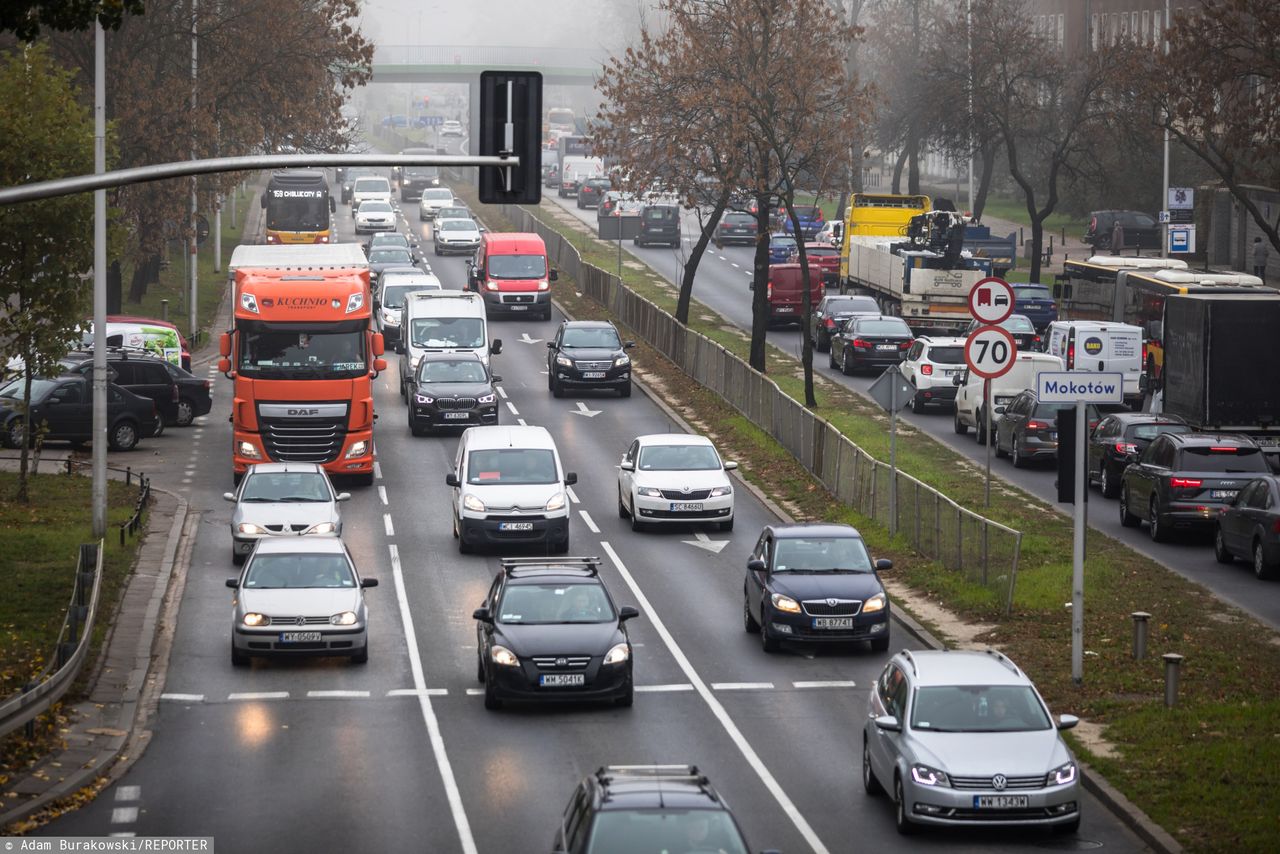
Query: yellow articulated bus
298, 207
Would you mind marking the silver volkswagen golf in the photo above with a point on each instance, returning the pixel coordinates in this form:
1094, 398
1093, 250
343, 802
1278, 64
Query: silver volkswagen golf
963, 738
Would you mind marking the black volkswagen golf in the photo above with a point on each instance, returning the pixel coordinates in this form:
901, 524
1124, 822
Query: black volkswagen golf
815, 583
548, 630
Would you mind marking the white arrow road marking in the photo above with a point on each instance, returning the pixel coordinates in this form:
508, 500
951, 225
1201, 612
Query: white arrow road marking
582, 410
525, 339
705, 542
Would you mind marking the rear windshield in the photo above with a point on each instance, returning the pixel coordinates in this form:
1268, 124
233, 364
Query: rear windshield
1224, 460
826, 251
389, 255
739, 218
782, 241
882, 327
1150, 431
808, 211
848, 305
947, 355
1031, 292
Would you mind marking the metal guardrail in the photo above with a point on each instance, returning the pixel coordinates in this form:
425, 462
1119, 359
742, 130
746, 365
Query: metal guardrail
71, 650
983, 550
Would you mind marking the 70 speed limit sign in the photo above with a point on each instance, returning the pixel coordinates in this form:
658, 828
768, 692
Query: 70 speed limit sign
990, 351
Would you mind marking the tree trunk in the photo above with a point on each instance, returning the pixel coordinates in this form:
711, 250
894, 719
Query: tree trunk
115, 283
760, 283
897, 171
145, 272
984, 182
913, 123
695, 257
1037, 240
23, 496
806, 317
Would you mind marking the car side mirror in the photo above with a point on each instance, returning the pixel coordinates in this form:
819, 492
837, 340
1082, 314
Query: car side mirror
888, 723
368, 582
1000, 409
626, 612
495, 378
628, 345
627, 465
233, 583
884, 564
343, 496
570, 478
1067, 721
482, 614
551, 345
755, 565
451, 479
496, 347
552, 275
229, 496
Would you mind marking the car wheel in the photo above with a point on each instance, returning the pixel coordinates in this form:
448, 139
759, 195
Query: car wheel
636, 524
915, 405
904, 825
124, 436
846, 363
1106, 482
1155, 526
622, 508
361, 657
404, 388
999, 450
767, 643
479, 669
1127, 519
1261, 568
1018, 461
13, 433
959, 426
186, 413
625, 390
831, 356
414, 428
749, 623
238, 659
1220, 552
557, 388
464, 547
491, 700
880, 644
437, 250
869, 781
627, 699
551, 380
726, 525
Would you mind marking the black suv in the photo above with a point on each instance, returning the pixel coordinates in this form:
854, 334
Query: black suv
144, 375
65, 407
548, 630
451, 390
815, 583
588, 354
666, 807
1185, 479
1141, 231
1119, 437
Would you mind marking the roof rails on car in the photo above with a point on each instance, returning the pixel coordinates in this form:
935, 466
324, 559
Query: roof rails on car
1003, 659
658, 773
513, 564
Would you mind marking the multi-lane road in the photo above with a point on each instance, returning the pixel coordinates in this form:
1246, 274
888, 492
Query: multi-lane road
400, 755
722, 285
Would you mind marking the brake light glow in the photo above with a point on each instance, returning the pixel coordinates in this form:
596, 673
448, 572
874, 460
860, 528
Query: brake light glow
905, 345
1126, 448
1037, 425
1184, 482
927, 370
1071, 357
861, 344
1224, 450
1275, 526
1144, 354
831, 324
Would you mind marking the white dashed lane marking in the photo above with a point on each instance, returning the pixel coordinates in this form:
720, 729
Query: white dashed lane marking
382, 494
513, 409
338, 695
586, 517
259, 695
129, 793
386, 522
573, 496
124, 815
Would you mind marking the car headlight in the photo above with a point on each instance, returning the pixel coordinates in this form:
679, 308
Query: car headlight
622, 361
248, 450
251, 529
488, 398
873, 604
322, 528
785, 603
564, 361
505, 657
1062, 775
718, 491
470, 502
620, 653
544, 285
422, 398
346, 618
256, 619
649, 491
357, 449
926, 776
491, 285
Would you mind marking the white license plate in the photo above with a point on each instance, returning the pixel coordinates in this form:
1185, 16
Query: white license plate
593, 375
1224, 494
886, 346
518, 307
833, 622
456, 416
686, 507
1000, 802
562, 680
784, 309
515, 526
299, 637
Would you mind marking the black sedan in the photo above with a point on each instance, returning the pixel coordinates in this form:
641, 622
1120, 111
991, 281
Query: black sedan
592, 191
815, 583
1250, 528
384, 257
1121, 436
451, 390
870, 341
588, 354
548, 630
736, 227
65, 407
1020, 327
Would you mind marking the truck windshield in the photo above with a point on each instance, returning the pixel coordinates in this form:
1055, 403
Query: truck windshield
317, 355
517, 266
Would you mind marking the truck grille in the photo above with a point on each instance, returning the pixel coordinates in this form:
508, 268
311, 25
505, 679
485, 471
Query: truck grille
303, 440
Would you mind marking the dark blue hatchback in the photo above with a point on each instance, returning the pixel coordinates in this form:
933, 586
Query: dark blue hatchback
1036, 303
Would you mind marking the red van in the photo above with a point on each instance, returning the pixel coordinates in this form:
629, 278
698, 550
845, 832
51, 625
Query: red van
513, 275
786, 296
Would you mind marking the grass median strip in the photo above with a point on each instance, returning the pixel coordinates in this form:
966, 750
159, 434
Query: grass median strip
1173, 764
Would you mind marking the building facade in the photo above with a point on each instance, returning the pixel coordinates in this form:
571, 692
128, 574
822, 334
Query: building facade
1080, 25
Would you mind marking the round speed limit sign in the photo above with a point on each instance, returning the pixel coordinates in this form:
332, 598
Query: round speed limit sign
990, 351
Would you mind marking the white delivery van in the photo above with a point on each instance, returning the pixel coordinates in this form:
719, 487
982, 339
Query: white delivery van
442, 322
509, 488
575, 170
1021, 375
370, 188
1100, 347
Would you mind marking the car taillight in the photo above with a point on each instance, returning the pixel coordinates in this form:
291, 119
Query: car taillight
1037, 425
905, 345
831, 324
768, 291
208, 384
927, 370
861, 344
1184, 482
1275, 526
1053, 306
1224, 450
1125, 448
1071, 357
1144, 354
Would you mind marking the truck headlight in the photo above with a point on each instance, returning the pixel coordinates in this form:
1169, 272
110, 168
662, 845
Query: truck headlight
357, 449
248, 450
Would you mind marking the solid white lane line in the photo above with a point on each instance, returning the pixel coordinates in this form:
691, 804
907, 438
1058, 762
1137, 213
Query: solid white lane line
386, 523
513, 409
124, 815
740, 741
414, 692
129, 793
337, 694
474, 692
260, 695
586, 517
183, 698
502, 392
663, 689
456, 807
741, 686
382, 494
833, 683
573, 496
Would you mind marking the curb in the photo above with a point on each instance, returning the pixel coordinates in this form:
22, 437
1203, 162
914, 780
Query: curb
108, 729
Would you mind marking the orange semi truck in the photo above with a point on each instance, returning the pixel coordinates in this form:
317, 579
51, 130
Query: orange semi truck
302, 355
